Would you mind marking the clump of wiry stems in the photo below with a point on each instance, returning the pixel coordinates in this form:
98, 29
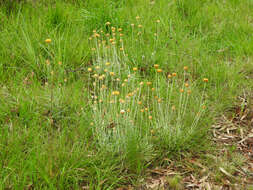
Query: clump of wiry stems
124, 103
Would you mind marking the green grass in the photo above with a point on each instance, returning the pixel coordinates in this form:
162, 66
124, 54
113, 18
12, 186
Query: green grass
59, 131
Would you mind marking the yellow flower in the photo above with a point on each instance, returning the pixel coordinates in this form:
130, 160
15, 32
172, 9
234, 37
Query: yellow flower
48, 41
186, 85
189, 91
107, 63
205, 79
146, 109
115, 92
89, 69
107, 23
91, 123
112, 73
113, 29
137, 17
139, 26
158, 21
47, 62
135, 69
132, 25
156, 66
153, 89
97, 67
149, 83
95, 75
121, 49
101, 77
96, 35
59, 63
120, 29
159, 100
159, 70
121, 101
121, 36
181, 90
169, 76
139, 102
142, 110
174, 74
103, 87
150, 117
185, 68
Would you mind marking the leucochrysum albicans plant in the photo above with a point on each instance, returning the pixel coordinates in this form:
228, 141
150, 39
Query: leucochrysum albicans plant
124, 102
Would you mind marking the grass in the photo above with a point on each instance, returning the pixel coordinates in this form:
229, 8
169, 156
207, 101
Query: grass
117, 87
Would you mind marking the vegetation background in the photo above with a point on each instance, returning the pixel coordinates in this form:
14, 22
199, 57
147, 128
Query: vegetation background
54, 132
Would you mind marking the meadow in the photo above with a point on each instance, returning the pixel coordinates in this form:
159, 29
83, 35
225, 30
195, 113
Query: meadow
93, 93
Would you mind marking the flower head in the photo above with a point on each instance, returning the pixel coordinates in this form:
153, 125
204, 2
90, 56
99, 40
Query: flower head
48, 41
174, 74
156, 66
205, 79
159, 70
115, 93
